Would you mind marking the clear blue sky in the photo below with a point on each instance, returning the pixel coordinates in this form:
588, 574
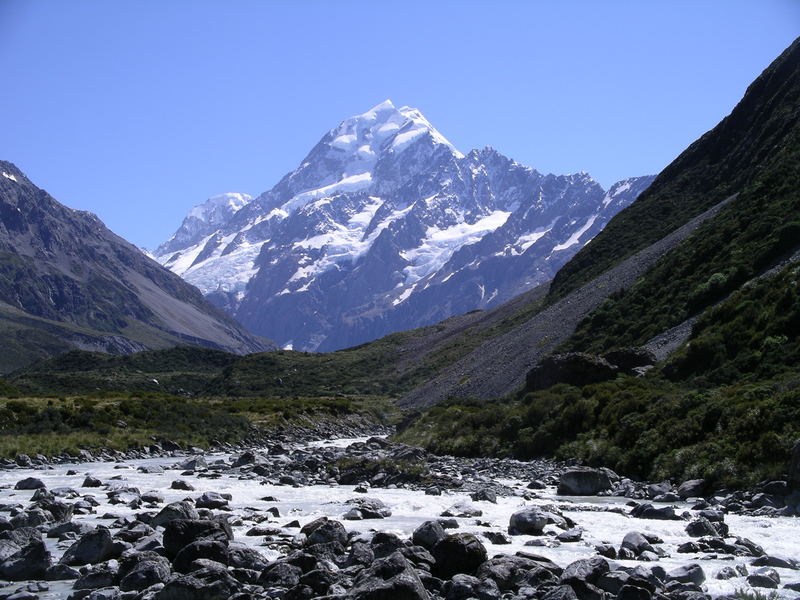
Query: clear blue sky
139, 110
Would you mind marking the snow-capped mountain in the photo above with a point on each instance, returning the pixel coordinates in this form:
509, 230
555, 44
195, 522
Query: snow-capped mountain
385, 226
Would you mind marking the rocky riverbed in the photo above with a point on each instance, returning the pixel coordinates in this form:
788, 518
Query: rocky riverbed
365, 518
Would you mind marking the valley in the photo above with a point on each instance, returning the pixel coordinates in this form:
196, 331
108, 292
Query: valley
412, 373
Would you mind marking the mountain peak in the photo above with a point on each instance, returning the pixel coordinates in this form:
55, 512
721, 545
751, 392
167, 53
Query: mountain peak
384, 127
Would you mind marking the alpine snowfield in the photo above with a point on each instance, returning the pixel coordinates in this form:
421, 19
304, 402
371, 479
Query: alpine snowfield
386, 226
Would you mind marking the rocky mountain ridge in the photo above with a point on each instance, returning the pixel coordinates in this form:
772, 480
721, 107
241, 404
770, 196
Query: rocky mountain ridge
66, 281
386, 226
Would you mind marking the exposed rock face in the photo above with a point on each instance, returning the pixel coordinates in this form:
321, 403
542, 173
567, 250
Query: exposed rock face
79, 273
385, 226
574, 368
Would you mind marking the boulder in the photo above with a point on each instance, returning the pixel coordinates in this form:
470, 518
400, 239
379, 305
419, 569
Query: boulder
528, 521
484, 495
211, 549
384, 543
765, 577
212, 500
367, 508
779, 562
636, 543
510, 572
628, 359
583, 481
96, 577
701, 527
428, 534
30, 562
693, 488
175, 510
179, 533
585, 570
458, 553
692, 573
180, 484
139, 573
648, 511
390, 578
280, 574
241, 556
202, 584
573, 368
466, 587
59, 572
93, 547
560, 592
29, 483
323, 531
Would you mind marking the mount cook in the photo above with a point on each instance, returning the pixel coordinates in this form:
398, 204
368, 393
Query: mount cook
386, 226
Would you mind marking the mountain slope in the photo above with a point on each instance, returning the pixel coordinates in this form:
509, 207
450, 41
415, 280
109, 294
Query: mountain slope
66, 281
386, 226
757, 134
722, 403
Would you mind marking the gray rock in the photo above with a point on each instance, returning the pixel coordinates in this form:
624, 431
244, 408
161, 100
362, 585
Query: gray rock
99, 576
636, 542
29, 483
692, 573
701, 527
510, 572
210, 549
428, 534
528, 521
142, 574
779, 562
560, 592
59, 572
280, 574
693, 488
583, 481
180, 484
212, 500
570, 535
466, 587
574, 368
241, 556
368, 508
648, 511
30, 562
175, 510
92, 548
765, 577
586, 569
726, 573
484, 495
323, 531
458, 553
179, 533
389, 578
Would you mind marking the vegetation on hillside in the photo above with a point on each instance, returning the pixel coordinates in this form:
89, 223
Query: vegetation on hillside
54, 426
753, 152
730, 411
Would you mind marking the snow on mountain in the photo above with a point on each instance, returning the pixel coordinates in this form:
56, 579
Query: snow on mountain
384, 226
